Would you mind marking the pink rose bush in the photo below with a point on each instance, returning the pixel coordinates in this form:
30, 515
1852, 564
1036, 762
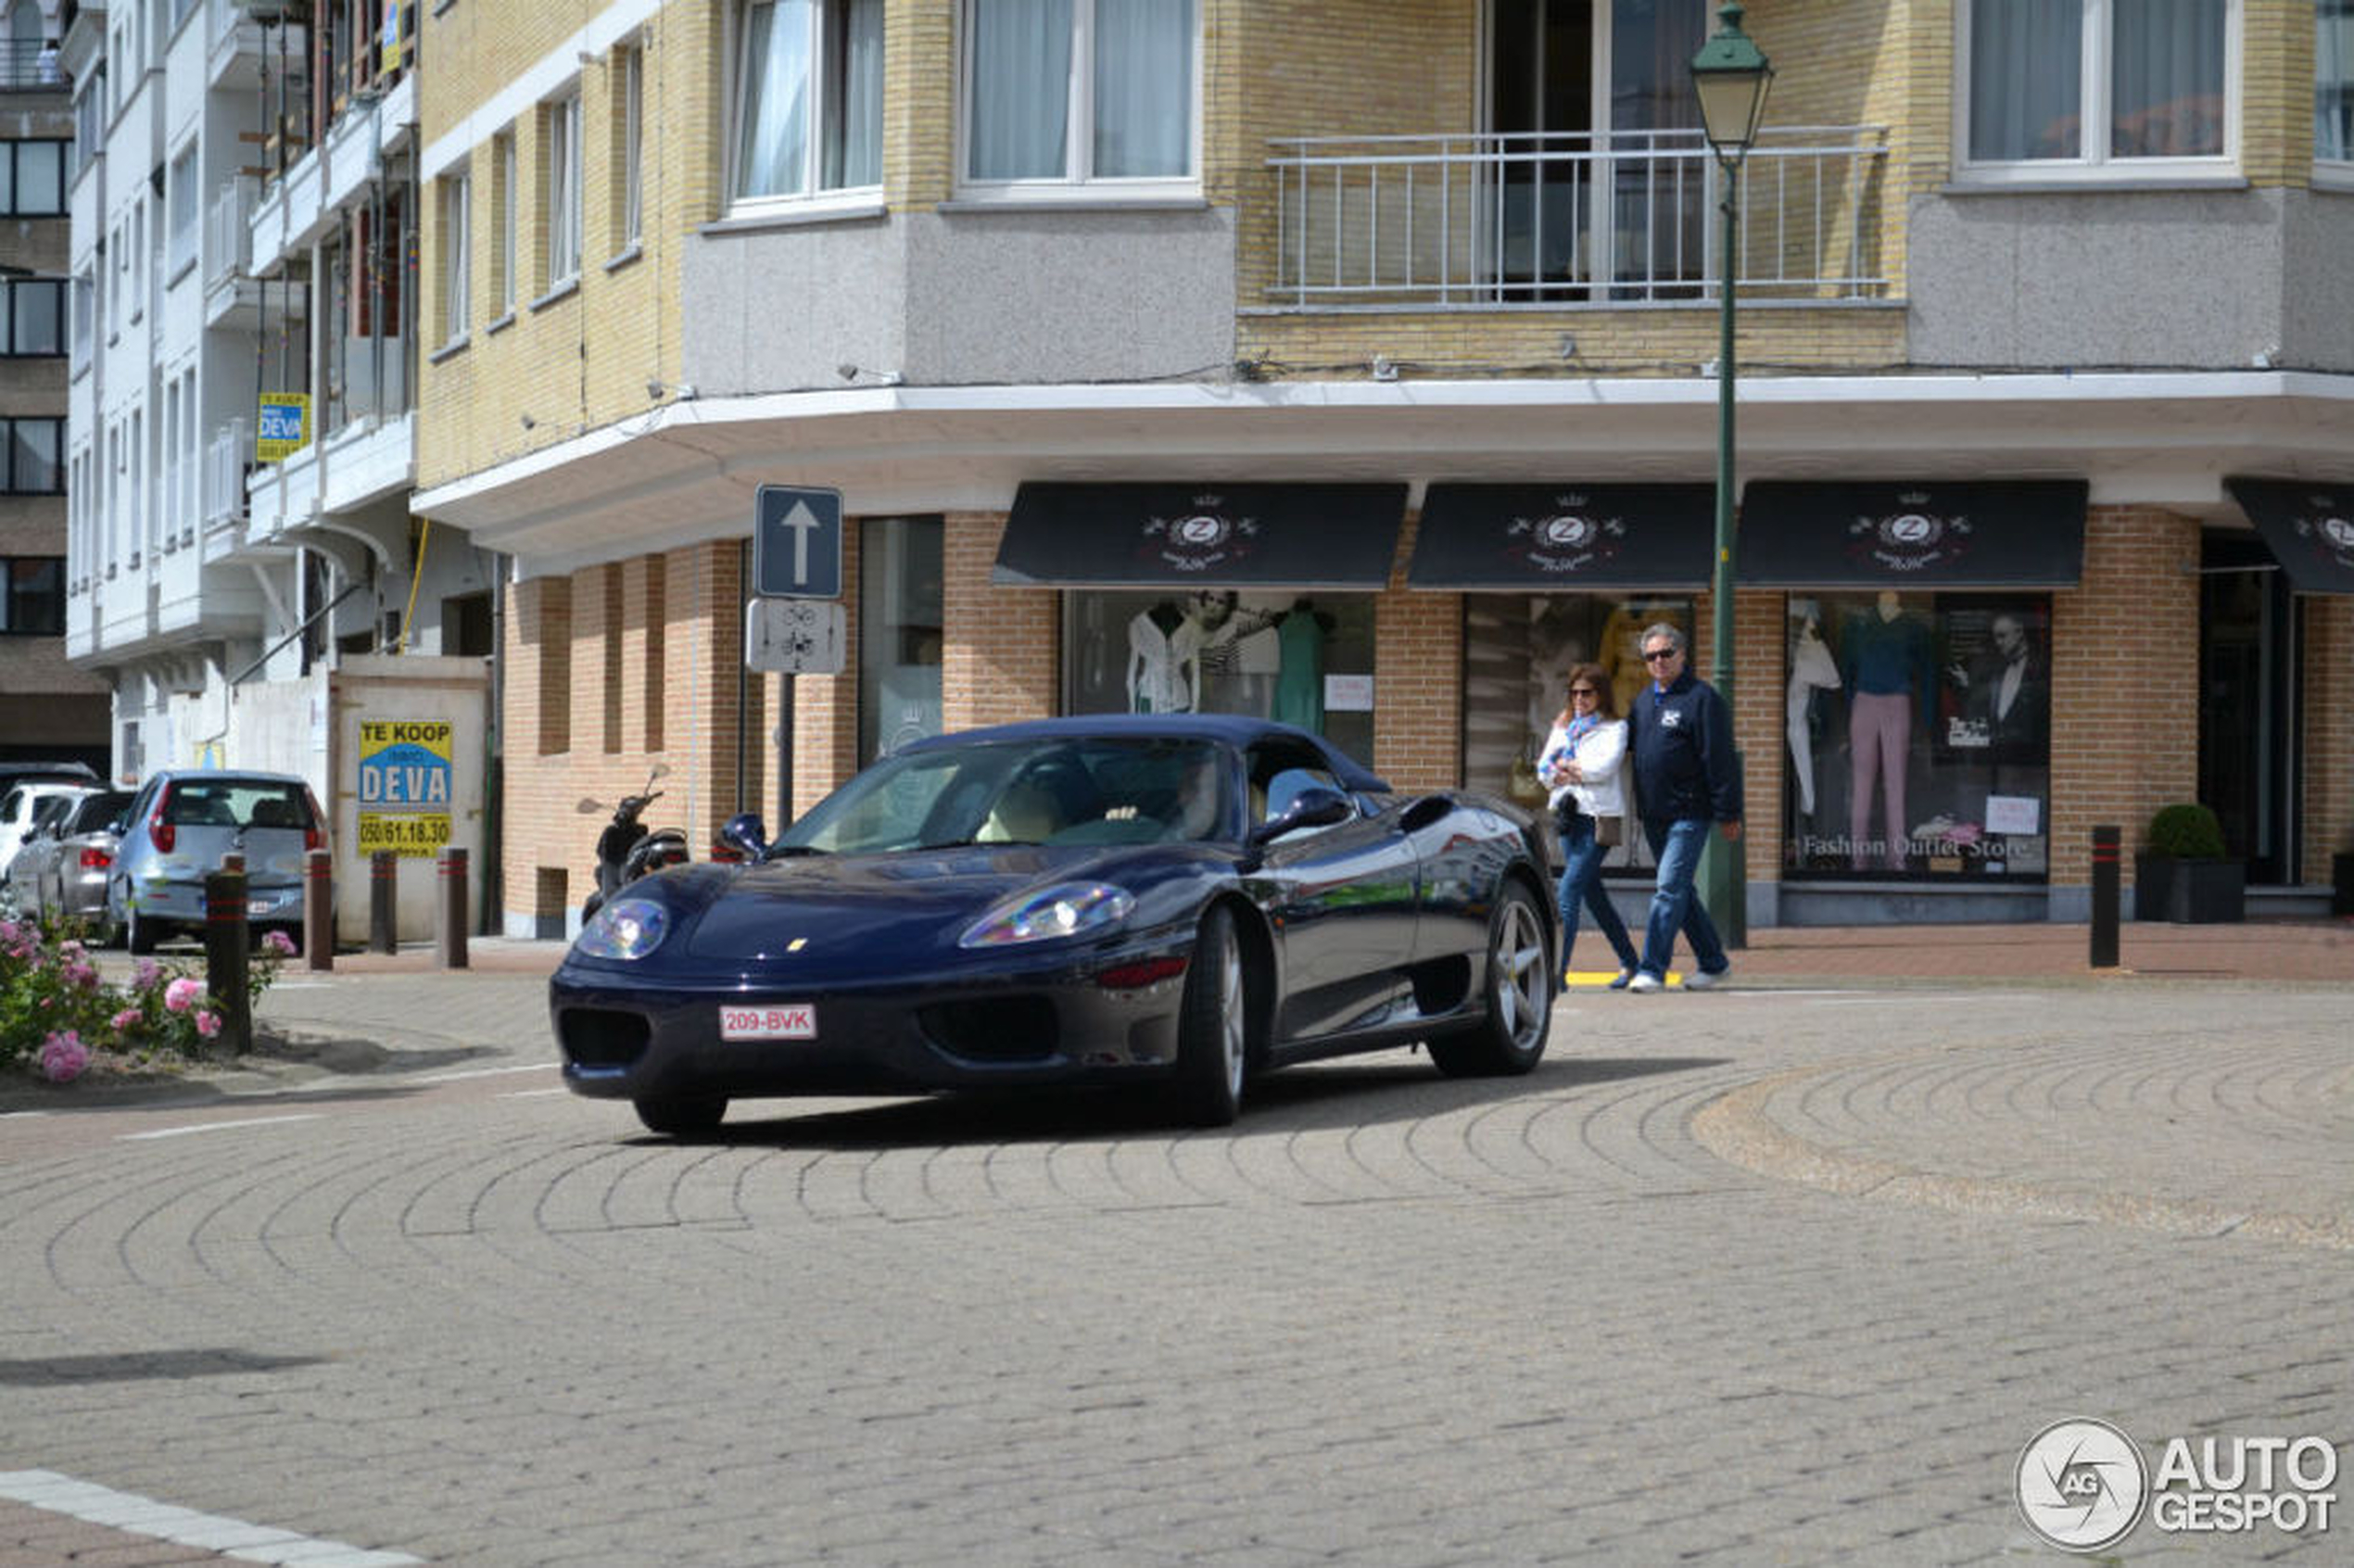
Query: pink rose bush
59, 1015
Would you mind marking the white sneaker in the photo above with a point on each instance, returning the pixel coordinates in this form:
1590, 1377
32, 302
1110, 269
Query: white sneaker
1643, 982
1700, 979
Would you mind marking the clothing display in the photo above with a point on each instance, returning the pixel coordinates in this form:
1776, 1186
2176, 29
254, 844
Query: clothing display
1812, 669
1619, 651
1163, 662
1299, 680
1887, 659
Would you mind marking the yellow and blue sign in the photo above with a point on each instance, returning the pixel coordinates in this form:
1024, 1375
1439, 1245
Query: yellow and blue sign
404, 784
282, 426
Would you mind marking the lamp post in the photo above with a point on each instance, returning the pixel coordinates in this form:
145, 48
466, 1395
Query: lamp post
1731, 76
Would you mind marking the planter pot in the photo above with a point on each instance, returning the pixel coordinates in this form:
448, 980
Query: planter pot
2194, 892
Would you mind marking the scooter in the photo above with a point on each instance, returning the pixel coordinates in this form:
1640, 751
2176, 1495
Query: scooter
627, 850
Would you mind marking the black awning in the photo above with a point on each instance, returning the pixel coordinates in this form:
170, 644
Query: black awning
1154, 535
2309, 527
2023, 533
1521, 538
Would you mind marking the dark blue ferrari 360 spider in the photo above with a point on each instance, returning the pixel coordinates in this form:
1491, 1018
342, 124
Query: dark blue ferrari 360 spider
1175, 898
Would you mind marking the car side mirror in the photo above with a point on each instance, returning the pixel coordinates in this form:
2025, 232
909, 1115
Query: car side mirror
746, 832
588, 807
1315, 806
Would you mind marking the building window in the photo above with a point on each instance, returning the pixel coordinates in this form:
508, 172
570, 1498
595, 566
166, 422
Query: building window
899, 632
1270, 654
32, 596
457, 254
2334, 80
810, 111
629, 153
562, 133
503, 204
34, 322
1079, 90
1919, 737
1518, 651
33, 179
181, 212
89, 117
2098, 82
33, 446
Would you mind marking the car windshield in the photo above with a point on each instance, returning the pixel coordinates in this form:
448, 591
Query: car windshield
1056, 790
98, 811
236, 803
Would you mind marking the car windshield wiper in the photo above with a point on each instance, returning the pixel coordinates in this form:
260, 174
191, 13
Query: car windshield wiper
785, 851
981, 843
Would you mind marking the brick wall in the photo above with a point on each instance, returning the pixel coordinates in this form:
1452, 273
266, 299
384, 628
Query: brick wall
1418, 680
1003, 658
2124, 668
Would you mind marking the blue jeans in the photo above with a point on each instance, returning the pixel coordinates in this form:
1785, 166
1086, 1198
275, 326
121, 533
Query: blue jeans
1674, 906
1582, 883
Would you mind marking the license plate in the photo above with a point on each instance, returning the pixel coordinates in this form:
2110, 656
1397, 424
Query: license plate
797, 1021
260, 905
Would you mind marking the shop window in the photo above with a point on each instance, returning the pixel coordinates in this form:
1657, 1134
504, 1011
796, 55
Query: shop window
1270, 654
1919, 736
1518, 651
899, 632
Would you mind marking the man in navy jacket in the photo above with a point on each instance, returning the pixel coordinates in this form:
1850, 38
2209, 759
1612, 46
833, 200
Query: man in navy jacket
1685, 778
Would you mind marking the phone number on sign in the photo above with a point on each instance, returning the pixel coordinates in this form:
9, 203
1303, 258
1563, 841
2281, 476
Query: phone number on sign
796, 1022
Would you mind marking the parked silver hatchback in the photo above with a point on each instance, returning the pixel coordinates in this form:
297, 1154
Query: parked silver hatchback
64, 865
183, 823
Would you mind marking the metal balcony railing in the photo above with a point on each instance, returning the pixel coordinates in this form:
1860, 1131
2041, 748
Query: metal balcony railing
27, 62
228, 229
228, 459
1483, 222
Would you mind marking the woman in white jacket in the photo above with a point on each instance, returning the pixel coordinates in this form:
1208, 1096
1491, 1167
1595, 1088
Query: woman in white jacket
1583, 765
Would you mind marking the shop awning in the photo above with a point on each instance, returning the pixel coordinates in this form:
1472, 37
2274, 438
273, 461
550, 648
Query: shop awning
1233, 536
1544, 538
1930, 535
2309, 527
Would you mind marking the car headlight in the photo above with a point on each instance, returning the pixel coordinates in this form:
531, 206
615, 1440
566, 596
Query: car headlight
627, 928
1068, 909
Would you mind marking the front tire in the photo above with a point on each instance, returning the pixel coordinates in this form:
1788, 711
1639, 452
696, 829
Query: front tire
681, 1115
1213, 1027
1511, 1038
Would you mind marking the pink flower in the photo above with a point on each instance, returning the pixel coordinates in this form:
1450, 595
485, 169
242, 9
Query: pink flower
208, 1024
183, 993
278, 942
81, 973
128, 1019
63, 1056
144, 973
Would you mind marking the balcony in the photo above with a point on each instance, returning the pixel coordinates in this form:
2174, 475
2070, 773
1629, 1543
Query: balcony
1554, 222
231, 298
227, 459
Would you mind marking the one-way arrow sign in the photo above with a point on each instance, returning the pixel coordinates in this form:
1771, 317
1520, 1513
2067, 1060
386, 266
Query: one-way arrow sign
796, 543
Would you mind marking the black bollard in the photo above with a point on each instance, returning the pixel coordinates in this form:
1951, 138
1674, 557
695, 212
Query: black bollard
384, 891
452, 953
319, 910
226, 936
2105, 897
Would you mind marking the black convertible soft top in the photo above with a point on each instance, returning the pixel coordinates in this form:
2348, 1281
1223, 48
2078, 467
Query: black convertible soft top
1233, 730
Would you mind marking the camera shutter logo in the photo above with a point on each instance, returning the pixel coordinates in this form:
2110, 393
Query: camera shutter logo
2081, 1484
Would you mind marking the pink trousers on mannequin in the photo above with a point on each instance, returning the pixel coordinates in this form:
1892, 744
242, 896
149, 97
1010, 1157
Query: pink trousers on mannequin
1879, 733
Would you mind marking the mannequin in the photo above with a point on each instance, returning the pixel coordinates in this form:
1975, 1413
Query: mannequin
1812, 669
1164, 661
1299, 680
1885, 659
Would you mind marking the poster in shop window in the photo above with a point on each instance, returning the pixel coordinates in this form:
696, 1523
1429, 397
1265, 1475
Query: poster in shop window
404, 786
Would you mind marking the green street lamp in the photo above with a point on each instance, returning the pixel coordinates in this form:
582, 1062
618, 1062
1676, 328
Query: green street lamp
1732, 75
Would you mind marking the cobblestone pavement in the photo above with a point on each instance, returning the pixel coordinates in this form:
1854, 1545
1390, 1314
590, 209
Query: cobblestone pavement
1783, 1274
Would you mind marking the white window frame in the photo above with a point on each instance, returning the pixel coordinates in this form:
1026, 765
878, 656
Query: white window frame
2093, 165
457, 254
1079, 183
185, 212
816, 199
2337, 173
632, 106
508, 257
565, 187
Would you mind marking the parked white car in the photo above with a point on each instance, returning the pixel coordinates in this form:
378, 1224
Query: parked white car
18, 809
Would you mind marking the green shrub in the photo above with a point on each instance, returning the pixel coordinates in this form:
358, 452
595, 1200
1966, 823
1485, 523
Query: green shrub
2186, 832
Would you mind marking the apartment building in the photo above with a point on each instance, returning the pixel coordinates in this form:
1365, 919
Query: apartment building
49, 711
1130, 333
240, 442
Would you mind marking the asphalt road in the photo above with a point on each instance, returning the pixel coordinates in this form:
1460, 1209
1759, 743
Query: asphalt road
1768, 1275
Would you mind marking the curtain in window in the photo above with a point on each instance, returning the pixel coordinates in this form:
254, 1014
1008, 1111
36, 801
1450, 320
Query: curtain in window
854, 135
1143, 87
1652, 45
1020, 89
773, 157
2166, 85
2334, 79
2026, 79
